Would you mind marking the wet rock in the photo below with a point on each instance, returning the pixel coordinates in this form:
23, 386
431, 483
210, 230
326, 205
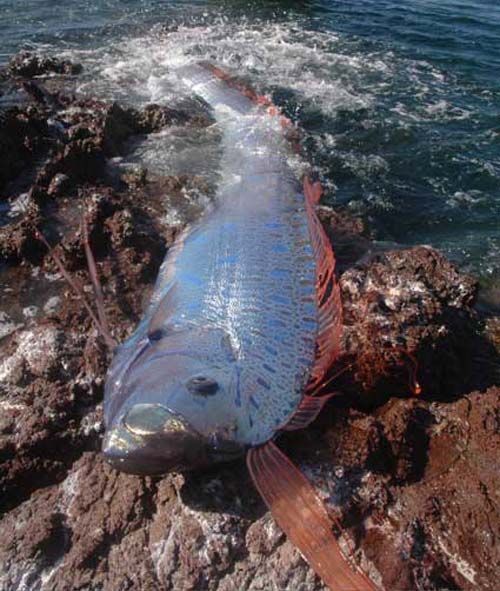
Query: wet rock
82, 160
135, 177
118, 125
80, 133
23, 132
94, 131
111, 125
348, 235
58, 185
19, 241
413, 309
40, 95
492, 330
156, 117
29, 64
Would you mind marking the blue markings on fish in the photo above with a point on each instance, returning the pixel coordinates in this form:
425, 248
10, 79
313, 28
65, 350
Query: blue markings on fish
237, 288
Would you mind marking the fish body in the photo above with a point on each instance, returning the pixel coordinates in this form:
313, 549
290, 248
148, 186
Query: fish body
243, 324
226, 348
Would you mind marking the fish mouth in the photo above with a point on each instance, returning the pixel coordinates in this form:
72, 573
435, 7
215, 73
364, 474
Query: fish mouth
152, 440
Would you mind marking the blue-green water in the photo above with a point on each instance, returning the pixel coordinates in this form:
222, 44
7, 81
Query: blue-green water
399, 100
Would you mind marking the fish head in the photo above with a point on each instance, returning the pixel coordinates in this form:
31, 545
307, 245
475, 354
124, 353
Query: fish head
169, 402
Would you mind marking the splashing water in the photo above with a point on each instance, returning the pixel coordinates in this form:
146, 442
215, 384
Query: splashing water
398, 104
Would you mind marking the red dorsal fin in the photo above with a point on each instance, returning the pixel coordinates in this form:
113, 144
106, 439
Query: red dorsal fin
301, 514
245, 90
312, 191
327, 290
249, 92
309, 409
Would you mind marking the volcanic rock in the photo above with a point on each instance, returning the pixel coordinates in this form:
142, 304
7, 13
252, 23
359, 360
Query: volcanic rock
412, 309
23, 132
29, 64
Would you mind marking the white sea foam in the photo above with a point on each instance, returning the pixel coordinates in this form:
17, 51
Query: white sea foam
273, 55
321, 71
370, 116
314, 70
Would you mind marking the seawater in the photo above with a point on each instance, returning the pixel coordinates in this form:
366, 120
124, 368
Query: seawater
399, 101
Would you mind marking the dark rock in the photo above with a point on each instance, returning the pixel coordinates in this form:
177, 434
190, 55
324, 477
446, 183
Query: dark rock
119, 125
22, 135
19, 241
81, 161
135, 177
28, 65
413, 309
58, 185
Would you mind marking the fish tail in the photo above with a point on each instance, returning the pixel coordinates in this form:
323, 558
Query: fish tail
219, 88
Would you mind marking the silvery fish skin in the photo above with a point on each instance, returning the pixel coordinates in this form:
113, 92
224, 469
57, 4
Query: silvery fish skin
221, 359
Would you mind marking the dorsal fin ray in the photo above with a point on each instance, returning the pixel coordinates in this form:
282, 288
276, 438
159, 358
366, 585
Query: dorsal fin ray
327, 291
100, 321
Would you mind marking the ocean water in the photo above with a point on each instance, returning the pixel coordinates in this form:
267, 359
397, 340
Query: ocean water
399, 101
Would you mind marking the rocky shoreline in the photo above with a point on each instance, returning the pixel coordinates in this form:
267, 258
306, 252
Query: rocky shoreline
412, 479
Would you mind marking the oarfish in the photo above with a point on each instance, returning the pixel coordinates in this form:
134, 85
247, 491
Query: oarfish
243, 325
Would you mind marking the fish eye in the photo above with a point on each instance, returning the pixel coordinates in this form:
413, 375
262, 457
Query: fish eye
156, 335
202, 385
